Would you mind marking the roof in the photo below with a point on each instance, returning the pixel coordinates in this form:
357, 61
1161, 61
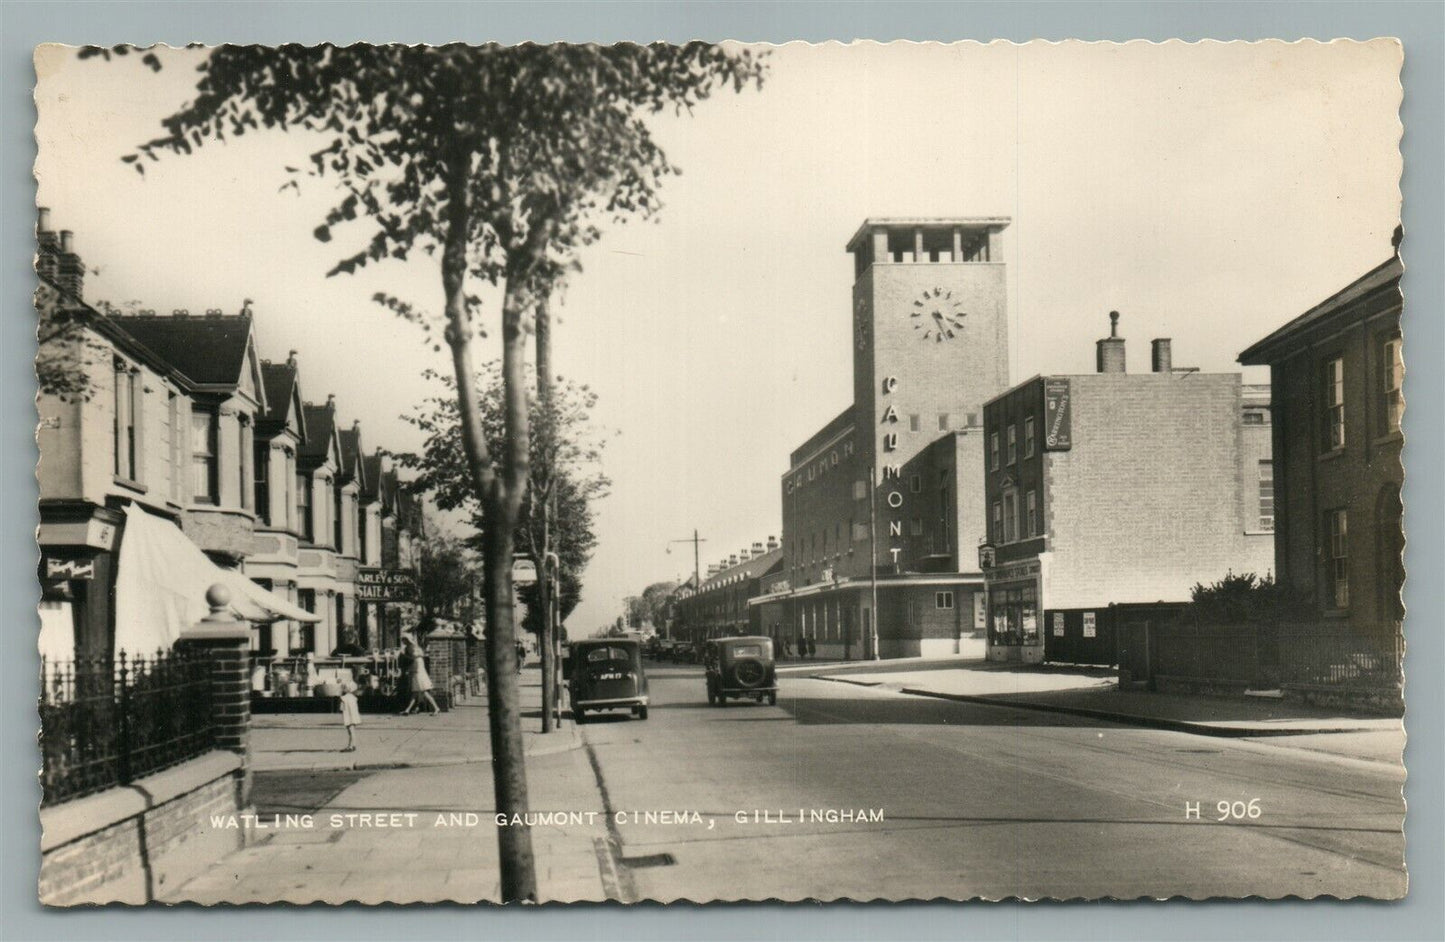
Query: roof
281, 384
320, 425
926, 222
1382, 277
371, 476
209, 350
754, 568
351, 464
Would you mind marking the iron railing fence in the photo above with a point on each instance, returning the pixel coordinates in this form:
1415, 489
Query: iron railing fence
107, 722
1268, 655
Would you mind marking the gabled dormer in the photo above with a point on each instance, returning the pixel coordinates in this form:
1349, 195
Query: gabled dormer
317, 473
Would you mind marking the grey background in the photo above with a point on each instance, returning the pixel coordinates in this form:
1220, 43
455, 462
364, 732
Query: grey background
1420, 24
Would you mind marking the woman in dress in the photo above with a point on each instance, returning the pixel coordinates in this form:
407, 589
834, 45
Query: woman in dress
418, 680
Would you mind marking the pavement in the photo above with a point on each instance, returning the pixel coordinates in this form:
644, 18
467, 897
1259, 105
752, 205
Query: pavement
843, 791
314, 741
1094, 693
409, 817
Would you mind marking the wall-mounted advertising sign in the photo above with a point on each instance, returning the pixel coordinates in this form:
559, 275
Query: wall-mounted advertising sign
375, 584
986, 555
1058, 415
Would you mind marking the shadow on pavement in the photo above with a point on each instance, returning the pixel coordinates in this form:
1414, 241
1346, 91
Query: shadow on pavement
924, 712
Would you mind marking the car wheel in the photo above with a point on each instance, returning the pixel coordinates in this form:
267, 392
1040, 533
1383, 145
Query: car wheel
772, 698
642, 713
579, 716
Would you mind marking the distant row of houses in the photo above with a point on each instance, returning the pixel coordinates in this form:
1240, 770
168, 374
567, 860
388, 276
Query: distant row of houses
946, 507
181, 420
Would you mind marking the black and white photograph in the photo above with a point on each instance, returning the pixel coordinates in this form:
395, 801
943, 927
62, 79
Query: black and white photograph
719, 472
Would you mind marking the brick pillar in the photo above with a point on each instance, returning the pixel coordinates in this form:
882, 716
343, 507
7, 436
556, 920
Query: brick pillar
439, 666
226, 642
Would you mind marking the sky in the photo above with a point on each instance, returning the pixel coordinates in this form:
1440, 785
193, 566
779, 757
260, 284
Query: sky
1208, 192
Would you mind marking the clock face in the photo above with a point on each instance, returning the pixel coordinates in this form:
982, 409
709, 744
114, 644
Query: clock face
938, 315
860, 323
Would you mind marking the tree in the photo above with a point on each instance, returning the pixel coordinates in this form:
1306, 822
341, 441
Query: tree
68, 352
566, 451
444, 577
504, 161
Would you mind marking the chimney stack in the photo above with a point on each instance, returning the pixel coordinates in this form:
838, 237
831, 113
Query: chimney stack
732, 561
42, 223
291, 359
1163, 357
1110, 351
744, 555
331, 401
772, 543
757, 549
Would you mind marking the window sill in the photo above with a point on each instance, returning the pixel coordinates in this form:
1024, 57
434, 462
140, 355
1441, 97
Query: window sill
1259, 533
1335, 614
129, 484
1389, 438
1330, 455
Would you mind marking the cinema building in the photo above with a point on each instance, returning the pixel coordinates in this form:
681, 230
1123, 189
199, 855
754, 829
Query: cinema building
882, 507
1115, 489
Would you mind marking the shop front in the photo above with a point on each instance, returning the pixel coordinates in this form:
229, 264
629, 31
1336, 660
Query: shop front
1014, 626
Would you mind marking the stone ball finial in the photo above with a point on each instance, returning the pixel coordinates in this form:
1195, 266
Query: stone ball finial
218, 597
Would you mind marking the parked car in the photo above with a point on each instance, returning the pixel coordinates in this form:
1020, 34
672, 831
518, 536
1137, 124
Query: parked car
740, 668
606, 674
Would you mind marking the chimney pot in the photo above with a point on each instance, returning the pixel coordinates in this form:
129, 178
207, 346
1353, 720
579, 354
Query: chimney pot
331, 400
43, 219
1163, 360
67, 241
1109, 352
291, 358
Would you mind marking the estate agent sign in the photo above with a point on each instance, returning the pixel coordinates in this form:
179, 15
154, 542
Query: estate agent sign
374, 584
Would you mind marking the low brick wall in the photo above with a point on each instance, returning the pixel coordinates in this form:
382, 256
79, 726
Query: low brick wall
133, 843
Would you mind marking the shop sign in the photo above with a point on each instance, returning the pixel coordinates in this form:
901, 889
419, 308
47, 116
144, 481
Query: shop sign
1058, 624
82, 569
1089, 628
980, 611
524, 572
374, 584
987, 555
1058, 415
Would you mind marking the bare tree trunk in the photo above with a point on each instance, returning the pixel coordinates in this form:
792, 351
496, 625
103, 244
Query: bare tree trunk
543, 507
501, 500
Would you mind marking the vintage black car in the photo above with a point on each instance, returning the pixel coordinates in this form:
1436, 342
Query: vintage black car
741, 668
606, 674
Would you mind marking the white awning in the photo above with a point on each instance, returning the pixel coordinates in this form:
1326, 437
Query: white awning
161, 583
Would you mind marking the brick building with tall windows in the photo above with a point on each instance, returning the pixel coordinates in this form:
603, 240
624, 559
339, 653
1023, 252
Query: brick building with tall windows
881, 508
1337, 372
1118, 488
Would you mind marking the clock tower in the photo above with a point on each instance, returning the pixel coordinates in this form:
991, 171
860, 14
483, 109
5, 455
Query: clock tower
930, 331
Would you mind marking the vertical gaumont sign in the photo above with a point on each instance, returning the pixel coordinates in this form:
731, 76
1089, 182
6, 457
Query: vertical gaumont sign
1058, 415
385, 585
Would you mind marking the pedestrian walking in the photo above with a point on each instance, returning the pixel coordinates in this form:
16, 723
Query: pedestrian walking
350, 714
521, 654
418, 680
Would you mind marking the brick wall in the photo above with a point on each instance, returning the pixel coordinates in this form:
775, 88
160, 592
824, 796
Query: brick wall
133, 844
1147, 501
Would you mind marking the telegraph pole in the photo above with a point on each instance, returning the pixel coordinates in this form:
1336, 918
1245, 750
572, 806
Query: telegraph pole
696, 542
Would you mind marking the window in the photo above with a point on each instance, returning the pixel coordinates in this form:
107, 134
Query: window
203, 456
1332, 392
860, 490
1013, 444
127, 405
944, 529
1253, 417
363, 525
997, 522
338, 518
993, 451
943, 421
1266, 495
262, 463
915, 422
1337, 563
1010, 517
246, 456
306, 636
1031, 512
173, 444
304, 522
943, 600
1028, 436
915, 526
860, 532
1392, 374
915, 483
